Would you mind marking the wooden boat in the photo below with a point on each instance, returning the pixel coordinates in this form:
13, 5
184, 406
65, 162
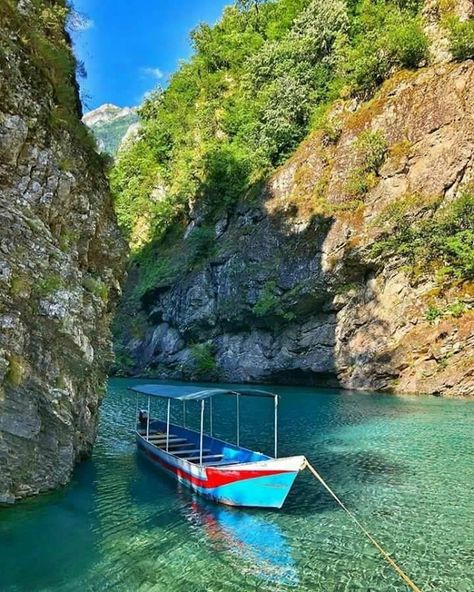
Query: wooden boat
224, 472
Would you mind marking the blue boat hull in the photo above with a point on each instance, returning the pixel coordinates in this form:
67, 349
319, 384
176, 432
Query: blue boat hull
261, 483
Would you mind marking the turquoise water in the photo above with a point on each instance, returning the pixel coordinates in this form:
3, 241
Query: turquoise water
404, 465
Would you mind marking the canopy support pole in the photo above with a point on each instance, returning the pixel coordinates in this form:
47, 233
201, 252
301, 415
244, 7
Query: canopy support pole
168, 425
184, 414
202, 431
238, 420
210, 415
276, 426
148, 421
136, 413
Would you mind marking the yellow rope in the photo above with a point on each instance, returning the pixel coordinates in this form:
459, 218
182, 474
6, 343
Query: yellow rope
384, 554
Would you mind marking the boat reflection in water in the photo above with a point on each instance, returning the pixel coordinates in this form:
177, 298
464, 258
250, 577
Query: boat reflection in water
257, 545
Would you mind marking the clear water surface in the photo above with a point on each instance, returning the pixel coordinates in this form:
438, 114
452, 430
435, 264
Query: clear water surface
405, 465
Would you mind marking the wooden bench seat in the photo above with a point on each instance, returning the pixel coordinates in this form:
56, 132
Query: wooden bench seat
198, 458
191, 451
171, 440
221, 463
177, 445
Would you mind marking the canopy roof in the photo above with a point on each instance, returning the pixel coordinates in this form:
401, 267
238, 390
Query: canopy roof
188, 393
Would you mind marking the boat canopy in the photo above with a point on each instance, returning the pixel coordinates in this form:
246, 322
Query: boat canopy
189, 393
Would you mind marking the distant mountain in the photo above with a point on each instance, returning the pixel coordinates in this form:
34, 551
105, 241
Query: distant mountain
110, 124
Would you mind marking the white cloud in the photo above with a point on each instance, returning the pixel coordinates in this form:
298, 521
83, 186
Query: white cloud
153, 73
146, 95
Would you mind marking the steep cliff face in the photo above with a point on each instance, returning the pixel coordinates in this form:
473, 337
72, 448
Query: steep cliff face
313, 279
61, 257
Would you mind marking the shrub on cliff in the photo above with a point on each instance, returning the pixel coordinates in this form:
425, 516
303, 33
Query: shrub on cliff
385, 39
443, 243
201, 243
461, 37
246, 98
204, 360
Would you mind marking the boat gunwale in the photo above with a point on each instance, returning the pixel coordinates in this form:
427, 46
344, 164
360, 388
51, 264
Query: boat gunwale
198, 465
230, 467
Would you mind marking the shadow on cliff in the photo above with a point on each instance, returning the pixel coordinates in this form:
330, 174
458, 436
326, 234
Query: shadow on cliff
328, 328
277, 302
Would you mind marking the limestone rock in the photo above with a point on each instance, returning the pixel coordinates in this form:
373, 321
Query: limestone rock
61, 258
291, 293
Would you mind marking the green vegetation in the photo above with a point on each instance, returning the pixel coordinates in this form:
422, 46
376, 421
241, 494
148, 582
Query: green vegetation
442, 244
158, 269
34, 224
204, 359
16, 370
67, 238
49, 284
258, 81
110, 134
201, 244
97, 287
346, 288
43, 39
269, 303
123, 363
461, 37
407, 209
19, 285
371, 148
60, 382
432, 313
455, 310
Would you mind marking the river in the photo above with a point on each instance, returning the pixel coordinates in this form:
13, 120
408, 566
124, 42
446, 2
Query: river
404, 465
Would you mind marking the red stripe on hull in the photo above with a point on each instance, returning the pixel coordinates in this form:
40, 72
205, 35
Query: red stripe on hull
215, 477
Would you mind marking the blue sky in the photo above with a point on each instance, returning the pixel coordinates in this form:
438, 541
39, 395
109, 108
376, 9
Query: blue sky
130, 47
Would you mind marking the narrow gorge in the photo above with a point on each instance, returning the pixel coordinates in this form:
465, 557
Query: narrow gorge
298, 203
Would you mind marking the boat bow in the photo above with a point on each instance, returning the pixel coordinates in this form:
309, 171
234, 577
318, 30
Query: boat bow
259, 484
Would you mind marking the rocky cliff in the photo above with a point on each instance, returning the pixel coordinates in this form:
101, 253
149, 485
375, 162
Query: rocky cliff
332, 272
61, 257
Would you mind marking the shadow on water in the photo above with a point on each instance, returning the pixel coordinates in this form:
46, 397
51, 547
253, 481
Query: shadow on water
249, 540
47, 540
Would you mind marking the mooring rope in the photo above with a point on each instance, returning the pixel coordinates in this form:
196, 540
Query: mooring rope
377, 545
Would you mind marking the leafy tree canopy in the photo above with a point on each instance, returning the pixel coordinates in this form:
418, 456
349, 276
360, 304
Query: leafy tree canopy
246, 98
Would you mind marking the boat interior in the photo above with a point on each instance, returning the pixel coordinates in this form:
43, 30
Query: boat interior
184, 444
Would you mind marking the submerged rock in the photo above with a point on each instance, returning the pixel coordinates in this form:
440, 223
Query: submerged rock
61, 259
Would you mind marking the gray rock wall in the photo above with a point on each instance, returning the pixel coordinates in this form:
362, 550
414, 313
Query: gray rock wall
291, 292
61, 259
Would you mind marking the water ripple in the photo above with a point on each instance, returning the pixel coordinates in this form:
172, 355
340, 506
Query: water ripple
404, 465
